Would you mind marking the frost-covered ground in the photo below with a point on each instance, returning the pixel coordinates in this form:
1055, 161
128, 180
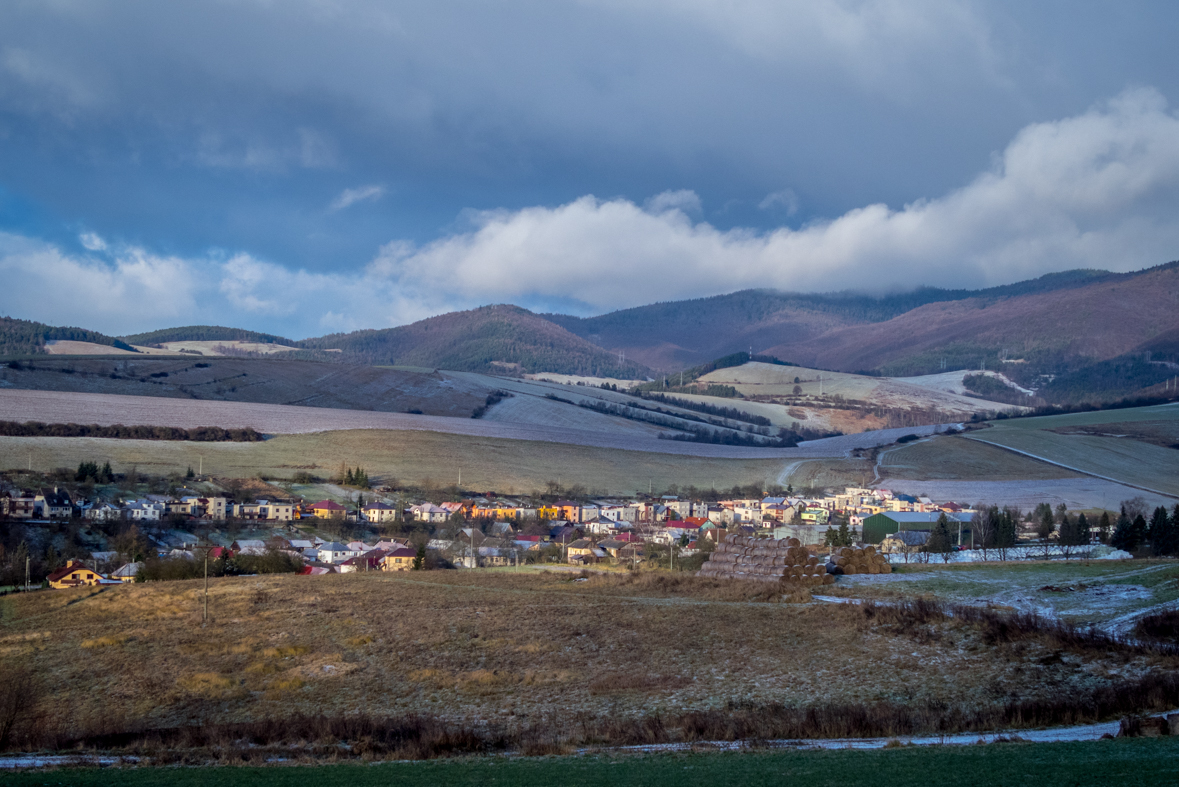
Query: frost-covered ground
1111, 594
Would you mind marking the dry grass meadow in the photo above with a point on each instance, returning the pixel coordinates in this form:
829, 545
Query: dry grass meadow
539, 651
405, 457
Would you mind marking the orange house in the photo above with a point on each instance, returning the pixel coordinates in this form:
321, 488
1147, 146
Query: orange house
74, 575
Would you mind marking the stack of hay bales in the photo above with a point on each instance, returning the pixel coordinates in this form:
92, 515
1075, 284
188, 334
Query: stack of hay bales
766, 560
854, 560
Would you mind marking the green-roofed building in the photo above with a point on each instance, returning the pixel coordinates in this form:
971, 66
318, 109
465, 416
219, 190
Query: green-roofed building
877, 526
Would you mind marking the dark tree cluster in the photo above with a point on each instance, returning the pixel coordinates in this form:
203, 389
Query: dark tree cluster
201, 434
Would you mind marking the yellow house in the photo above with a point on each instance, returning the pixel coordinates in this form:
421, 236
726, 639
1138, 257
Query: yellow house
548, 512
73, 575
494, 511
326, 509
399, 559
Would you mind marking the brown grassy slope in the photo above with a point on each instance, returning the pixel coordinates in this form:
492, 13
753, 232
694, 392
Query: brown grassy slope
491, 647
267, 381
514, 466
481, 340
1099, 321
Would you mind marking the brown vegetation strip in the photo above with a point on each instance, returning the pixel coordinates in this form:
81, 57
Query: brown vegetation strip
204, 434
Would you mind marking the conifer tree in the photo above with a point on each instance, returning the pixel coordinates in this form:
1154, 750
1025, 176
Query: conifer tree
1047, 522
1161, 533
1104, 528
1124, 536
939, 539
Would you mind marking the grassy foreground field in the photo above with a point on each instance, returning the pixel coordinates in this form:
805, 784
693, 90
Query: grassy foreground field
419, 664
414, 457
1101, 763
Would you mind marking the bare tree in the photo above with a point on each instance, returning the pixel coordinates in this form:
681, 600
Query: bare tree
19, 695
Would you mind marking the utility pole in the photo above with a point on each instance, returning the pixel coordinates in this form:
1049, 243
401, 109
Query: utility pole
200, 464
27, 559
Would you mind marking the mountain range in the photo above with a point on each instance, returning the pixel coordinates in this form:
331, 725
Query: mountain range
1046, 332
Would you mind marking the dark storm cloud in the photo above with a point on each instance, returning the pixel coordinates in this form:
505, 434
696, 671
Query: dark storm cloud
302, 137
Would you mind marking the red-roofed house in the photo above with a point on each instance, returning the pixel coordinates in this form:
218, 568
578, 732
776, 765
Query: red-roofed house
75, 574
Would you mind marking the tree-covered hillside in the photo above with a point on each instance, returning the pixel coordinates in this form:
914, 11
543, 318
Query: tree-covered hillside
25, 337
488, 339
204, 333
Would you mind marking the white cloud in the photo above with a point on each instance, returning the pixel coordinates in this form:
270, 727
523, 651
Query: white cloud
350, 197
683, 200
92, 242
1097, 190
785, 200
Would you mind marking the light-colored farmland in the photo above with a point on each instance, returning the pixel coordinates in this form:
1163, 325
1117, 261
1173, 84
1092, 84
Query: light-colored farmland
415, 457
777, 383
1082, 492
951, 382
574, 379
538, 411
218, 348
68, 347
108, 409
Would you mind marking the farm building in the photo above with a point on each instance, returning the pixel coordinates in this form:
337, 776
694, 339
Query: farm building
877, 526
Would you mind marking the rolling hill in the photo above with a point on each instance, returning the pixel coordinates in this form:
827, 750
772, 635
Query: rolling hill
488, 339
25, 337
674, 335
1072, 336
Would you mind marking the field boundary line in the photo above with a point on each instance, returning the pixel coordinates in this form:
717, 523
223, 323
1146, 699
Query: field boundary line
1075, 469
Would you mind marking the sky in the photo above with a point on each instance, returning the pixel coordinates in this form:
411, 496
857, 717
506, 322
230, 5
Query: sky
303, 167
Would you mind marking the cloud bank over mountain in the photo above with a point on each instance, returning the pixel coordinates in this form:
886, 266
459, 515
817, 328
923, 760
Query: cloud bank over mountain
1099, 189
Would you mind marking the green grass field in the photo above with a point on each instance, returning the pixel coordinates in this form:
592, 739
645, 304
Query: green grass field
1140, 761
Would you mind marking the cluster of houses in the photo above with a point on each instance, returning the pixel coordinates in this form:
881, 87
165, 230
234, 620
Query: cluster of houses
491, 531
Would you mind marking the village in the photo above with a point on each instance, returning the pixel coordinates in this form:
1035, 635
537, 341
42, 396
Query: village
382, 533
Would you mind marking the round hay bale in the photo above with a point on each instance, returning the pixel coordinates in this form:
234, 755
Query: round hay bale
820, 569
794, 542
886, 568
869, 550
846, 552
812, 561
828, 579
850, 569
841, 561
873, 568
857, 552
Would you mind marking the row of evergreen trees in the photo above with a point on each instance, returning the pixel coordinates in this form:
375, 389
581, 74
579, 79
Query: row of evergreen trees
91, 471
1160, 535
